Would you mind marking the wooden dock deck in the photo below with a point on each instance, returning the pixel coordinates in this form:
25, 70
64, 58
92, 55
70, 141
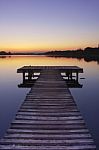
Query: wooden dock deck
48, 119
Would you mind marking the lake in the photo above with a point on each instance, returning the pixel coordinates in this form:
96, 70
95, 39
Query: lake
11, 97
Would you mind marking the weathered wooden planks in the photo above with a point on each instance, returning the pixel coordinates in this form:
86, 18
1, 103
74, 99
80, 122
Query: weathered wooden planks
48, 119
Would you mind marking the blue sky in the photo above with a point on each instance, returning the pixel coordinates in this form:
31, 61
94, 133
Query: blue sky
33, 25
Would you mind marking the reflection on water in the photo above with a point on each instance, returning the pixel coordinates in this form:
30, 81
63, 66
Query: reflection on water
11, 97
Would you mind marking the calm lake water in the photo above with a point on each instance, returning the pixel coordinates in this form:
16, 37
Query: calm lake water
11, 97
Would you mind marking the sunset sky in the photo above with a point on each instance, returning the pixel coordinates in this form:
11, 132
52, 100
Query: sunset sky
39, 25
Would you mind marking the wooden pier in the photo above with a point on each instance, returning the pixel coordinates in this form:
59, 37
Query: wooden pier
31, 73
48, 119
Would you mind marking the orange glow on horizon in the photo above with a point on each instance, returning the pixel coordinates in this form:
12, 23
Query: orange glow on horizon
36, 49
43, 47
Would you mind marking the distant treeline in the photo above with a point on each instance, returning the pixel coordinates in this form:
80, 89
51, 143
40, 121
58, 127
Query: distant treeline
19, 53
4, 53
88, 53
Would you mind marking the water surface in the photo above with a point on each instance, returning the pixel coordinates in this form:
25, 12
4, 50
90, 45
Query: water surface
11, 97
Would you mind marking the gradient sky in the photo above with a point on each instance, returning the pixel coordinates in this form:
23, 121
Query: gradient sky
27, 25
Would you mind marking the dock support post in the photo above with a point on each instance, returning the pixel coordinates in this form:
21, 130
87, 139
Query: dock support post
33, 74
71, 75
29, 75
23, 77
76, 76
68, 75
